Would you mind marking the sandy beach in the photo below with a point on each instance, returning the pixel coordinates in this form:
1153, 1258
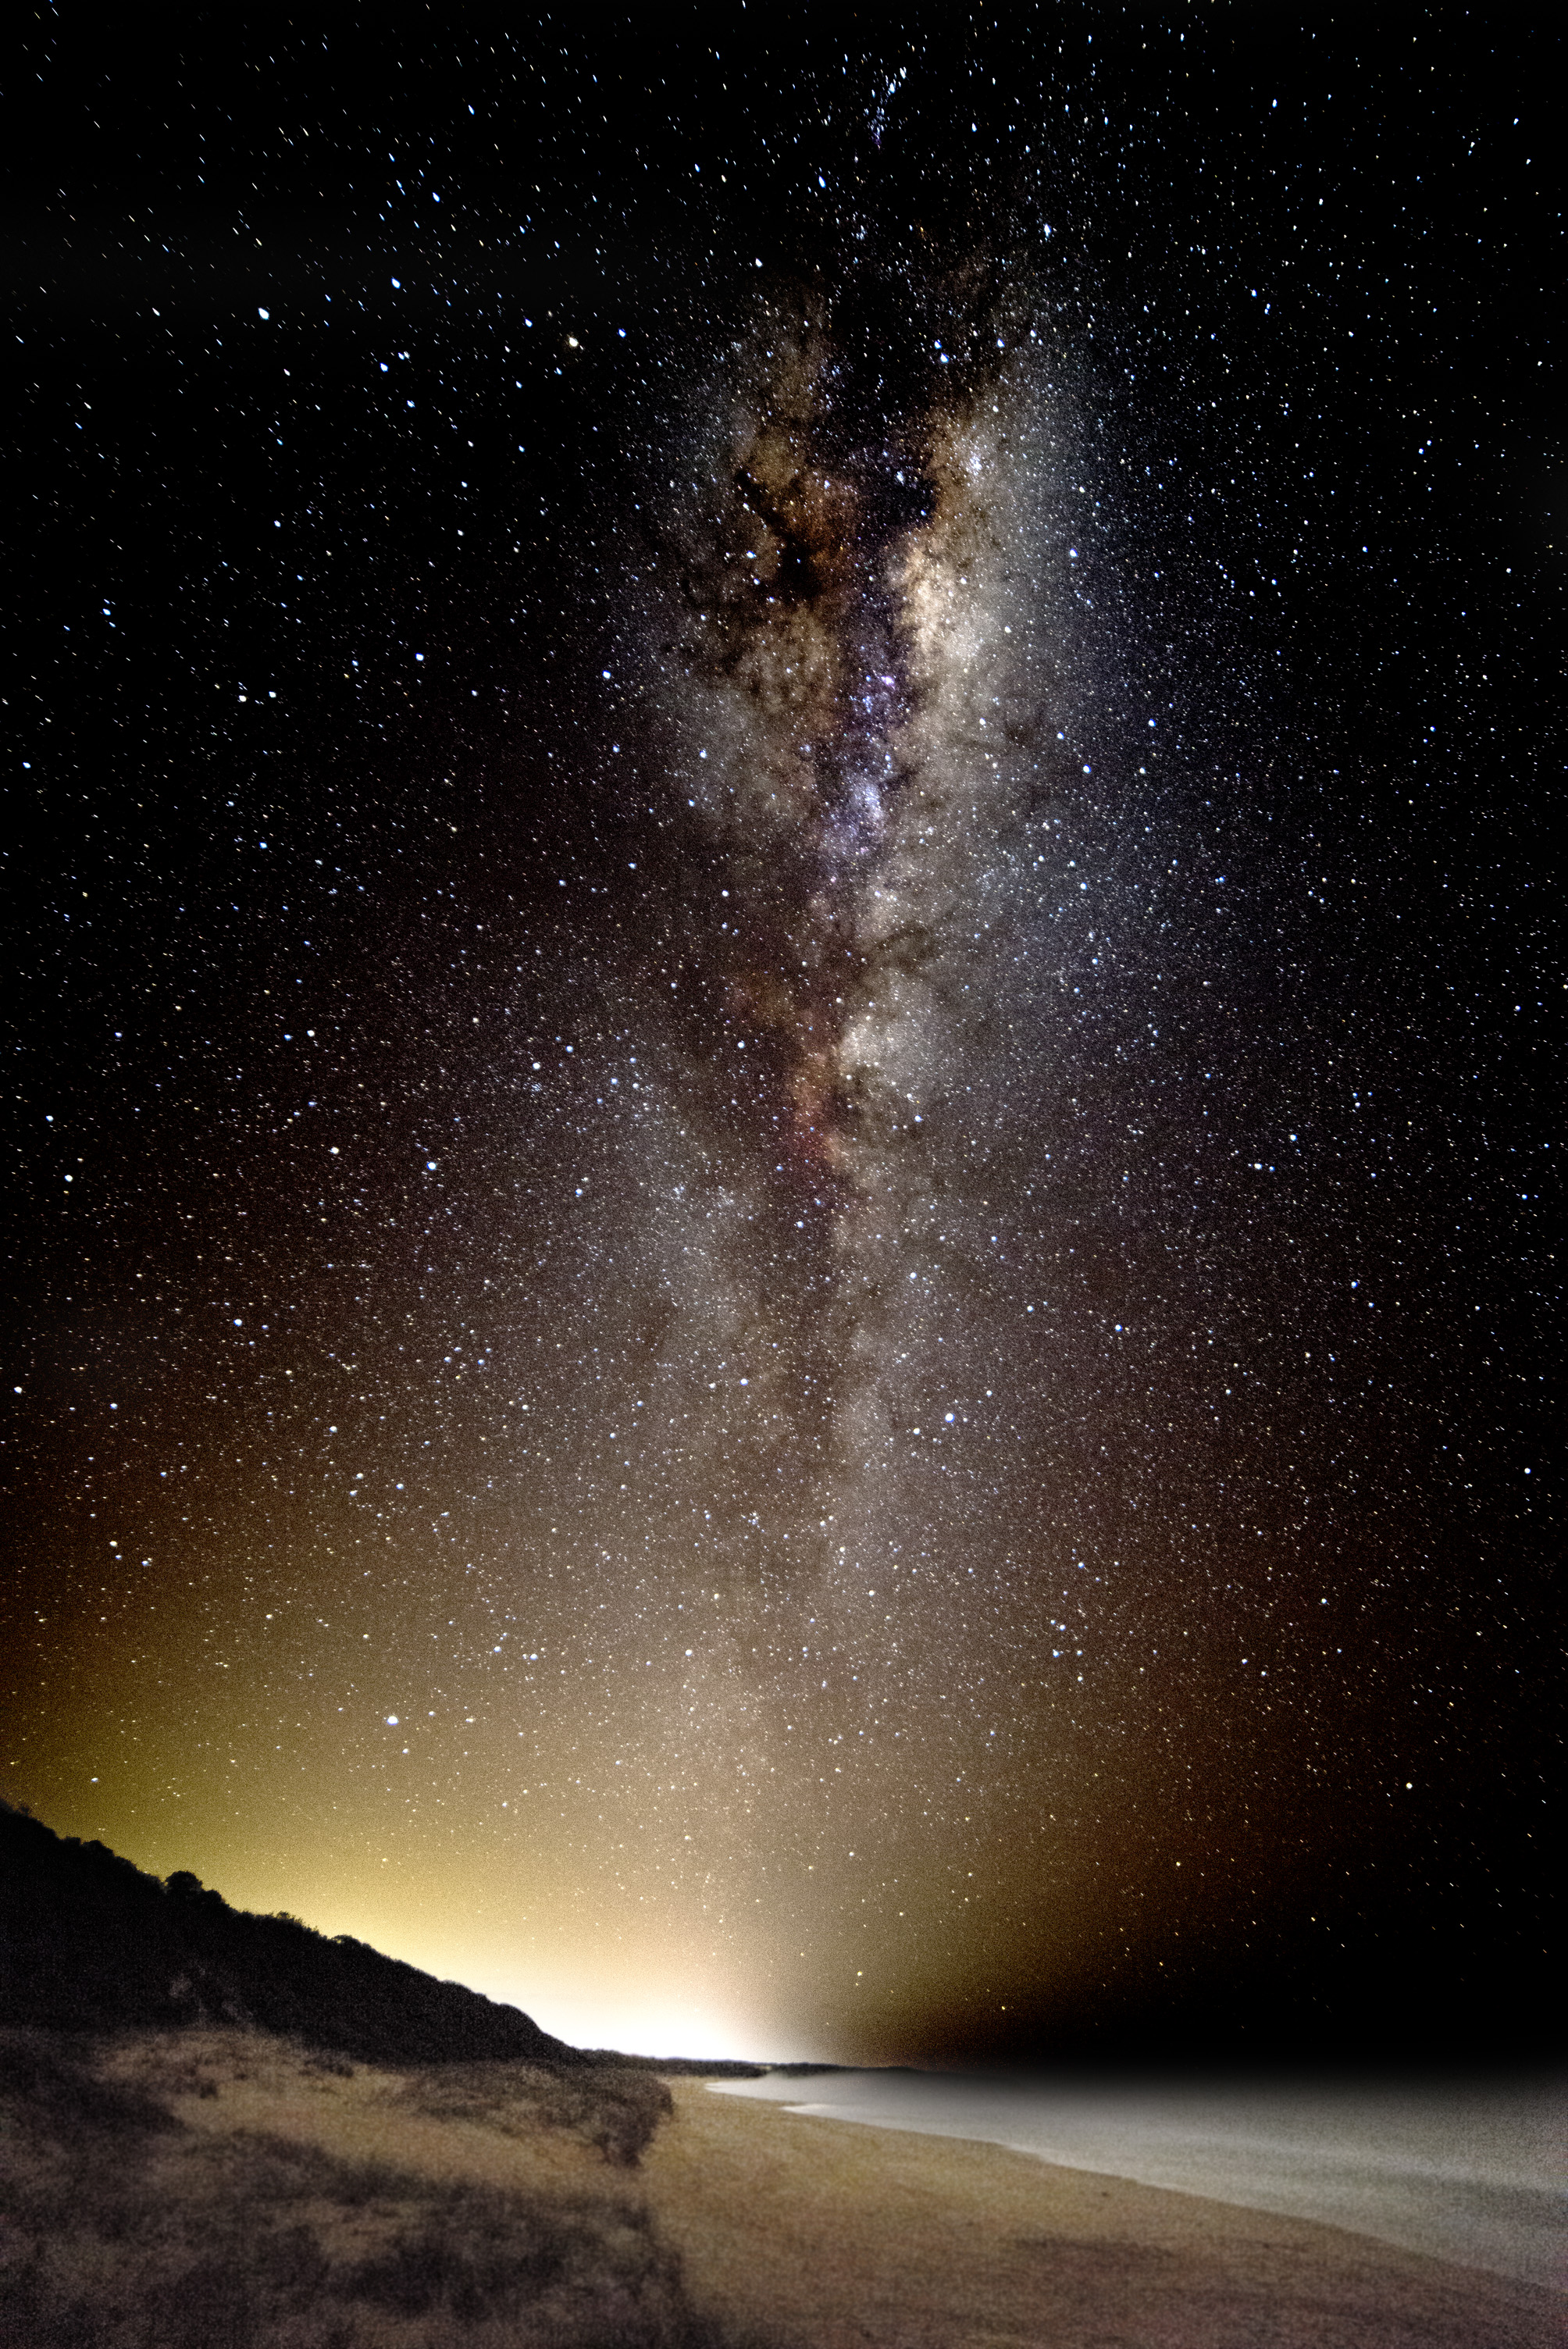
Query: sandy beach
803, 2233
186, 2187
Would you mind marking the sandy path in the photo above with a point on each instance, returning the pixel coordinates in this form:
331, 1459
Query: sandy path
813, 2234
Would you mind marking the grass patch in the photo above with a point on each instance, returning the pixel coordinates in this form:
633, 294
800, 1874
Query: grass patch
613, 2110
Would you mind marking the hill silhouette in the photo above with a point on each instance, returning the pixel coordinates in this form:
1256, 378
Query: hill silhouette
89, 1943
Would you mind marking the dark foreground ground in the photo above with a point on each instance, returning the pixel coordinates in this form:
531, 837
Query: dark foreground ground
223, 2188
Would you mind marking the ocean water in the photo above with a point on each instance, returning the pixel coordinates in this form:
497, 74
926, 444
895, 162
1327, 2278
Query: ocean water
1467, 2171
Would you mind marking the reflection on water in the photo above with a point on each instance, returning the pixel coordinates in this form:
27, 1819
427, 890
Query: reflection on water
1468, 2172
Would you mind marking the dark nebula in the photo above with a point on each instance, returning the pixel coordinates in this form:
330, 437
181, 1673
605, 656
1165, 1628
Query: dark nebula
779, 1044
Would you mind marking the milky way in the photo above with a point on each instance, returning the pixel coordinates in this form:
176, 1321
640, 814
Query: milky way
775, 1031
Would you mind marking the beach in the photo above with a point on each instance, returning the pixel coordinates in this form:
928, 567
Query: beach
1467, 2166
186, 2187
800, 2232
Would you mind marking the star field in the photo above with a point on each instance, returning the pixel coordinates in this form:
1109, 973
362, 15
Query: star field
779, 1019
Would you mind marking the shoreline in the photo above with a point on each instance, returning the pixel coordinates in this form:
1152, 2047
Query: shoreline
799, 2232
1473, 2176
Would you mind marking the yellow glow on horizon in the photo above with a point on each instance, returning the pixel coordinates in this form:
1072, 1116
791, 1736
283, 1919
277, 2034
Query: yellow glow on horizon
671, 2022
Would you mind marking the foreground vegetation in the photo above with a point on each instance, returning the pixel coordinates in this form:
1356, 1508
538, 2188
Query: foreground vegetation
219, 2188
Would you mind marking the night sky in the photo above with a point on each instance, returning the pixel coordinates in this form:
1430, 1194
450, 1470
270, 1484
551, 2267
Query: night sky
778, 1023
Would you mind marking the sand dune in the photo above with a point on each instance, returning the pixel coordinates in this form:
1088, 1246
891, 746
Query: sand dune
186, 2189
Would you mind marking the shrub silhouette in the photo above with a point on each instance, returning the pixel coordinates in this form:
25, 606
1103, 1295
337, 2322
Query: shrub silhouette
87, 1942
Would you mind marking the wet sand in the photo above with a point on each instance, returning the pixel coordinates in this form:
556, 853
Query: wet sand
800, 2233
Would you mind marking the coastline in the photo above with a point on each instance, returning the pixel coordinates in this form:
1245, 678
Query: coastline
1469, 2171
799, 2232
221, 2183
